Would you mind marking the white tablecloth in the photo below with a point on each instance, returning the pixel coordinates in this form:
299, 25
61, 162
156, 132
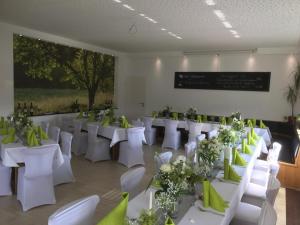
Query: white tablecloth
12, 154
230, 192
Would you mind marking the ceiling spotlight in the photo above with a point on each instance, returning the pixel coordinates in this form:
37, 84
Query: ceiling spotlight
163, 29
142, 15
118, 1
227, 24
237, 36
210, 2
220, 14
179, 37
233, 32
128, 7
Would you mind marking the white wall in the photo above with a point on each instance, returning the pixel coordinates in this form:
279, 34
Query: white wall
159, 78
6, 58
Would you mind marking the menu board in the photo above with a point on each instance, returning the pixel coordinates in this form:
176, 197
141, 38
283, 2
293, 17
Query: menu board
236, 81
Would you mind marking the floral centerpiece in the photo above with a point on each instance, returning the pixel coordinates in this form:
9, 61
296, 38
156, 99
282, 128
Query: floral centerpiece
166, 112
236, 115
226, 136
19, 121
239, 127
191, 113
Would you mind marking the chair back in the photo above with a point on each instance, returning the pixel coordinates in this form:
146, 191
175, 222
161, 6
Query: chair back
39, 161
131, 179
200, 138
135, 137
66, 143
77, 126
162, 158
92, 132
273, 154
78, 212
212, 133
189, 149
268, 215
148, 123
194, 130
45, 126
54, 133
273, 189
171, 126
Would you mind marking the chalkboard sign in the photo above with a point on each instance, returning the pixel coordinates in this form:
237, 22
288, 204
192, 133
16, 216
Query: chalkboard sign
237, 81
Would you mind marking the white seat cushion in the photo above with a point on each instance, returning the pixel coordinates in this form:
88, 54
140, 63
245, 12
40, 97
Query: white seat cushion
255, 194
260, 177
246, 214
262, 165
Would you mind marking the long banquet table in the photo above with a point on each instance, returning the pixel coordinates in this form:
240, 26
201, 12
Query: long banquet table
229, 191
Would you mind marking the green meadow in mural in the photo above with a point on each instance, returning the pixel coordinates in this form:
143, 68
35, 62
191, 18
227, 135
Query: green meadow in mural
52, 78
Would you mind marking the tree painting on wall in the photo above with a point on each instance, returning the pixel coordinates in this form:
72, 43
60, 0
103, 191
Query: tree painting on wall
57, 79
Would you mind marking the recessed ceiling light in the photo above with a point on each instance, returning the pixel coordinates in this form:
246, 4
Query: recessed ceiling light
179, 37
227, 24
210, 2
163, 29
141, 14
128, 7
220, 14
233, 32
237, 36
118, 1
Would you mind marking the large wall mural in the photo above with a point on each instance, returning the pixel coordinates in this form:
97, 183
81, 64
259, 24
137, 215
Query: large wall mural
52, 78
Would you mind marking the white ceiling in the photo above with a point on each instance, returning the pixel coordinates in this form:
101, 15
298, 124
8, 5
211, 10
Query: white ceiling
261, 23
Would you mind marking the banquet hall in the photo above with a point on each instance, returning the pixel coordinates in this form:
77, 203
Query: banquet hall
149, 112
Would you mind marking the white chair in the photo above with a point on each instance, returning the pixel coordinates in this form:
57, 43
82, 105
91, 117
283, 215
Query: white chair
256, 194
172, 136
271, 164
54, 133
80, 139
162, 158
247, 214
45, 126
260, 177
212, 133
194, 130
35, 180
79, 212
131, 151
64, 174
98, 148
190, 147
5, 179
131, 179
67, 124
150, 132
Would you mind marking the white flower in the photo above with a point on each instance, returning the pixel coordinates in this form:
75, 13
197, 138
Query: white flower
166, 168
181, 158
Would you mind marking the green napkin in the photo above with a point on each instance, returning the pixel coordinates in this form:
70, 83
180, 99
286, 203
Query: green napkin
117, 215
199, 119
124, 123
3, 131
211, 198
2, 122
174, 116
169, 221
155, 183
80, 116
154, 114
249, 123
251, 141
31, 138
253, 122
222, 120
204, 118
105, 121
229, 120
237, 159
92, 117
11, 137
42, 134
246, 148
229, 172
262, 125
254, 135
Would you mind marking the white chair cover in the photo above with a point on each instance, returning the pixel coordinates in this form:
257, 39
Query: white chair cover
273, 156
200, 138
273, 189
131, 179
172, 136
64, 174
67, 124
191, 146
98, 148
45, 126
137, 123
35, 180
268, 215
212, 133
80, 139
150, 132
162, 158
131, 151
5, 178
194, 130
79, 212
54, 133
260, 177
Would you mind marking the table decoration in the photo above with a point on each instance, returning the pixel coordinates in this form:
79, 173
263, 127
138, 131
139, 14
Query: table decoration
251, 141
166, 112
154, 114
174, 116
204, 118
236, 115
222, 120
124, 122
249, 123
254, 135
19, 121
199, 119
10, 137
245, 148
239, 127
237, 158
229, 172
191, 113
262, 125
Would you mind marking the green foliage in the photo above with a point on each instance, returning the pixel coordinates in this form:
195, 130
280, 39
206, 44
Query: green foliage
148, 217
292, 91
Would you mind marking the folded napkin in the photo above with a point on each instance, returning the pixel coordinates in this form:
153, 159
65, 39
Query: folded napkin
204, 118
222, 120
169, 221
154, 114
199, 118
246, 148
174, 116
254, 135
229, 120
42, 134
211, 198
80, 115
124, 123
11, 137
249, 123
117, 215
105, 122
3, 131
253, 122
31, 138
155, 183
92, 117
229, 172
237, 158
262, 125
251, 141
2, 122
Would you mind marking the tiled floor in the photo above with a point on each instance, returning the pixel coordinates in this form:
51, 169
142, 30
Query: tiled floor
101, 178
